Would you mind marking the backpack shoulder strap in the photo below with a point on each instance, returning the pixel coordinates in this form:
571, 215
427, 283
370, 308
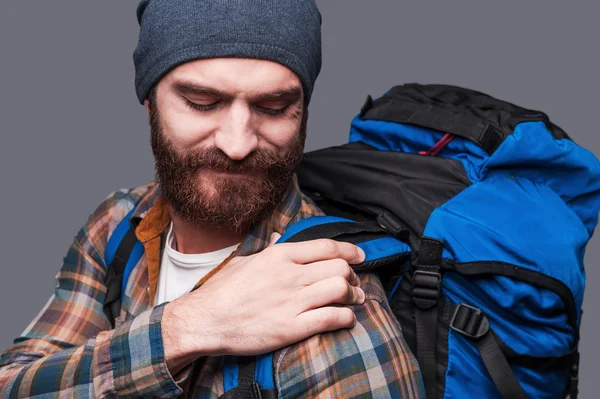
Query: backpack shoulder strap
249, 378
122, 253
252, 377
384, 242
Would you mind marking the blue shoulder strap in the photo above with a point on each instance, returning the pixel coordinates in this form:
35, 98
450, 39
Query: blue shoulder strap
253, 377
249, 377
123, 251
381, 246
117, 236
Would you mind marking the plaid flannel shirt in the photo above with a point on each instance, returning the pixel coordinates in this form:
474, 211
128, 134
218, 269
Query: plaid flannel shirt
70, 350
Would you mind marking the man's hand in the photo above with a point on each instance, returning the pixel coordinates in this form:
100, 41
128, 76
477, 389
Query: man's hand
263, 302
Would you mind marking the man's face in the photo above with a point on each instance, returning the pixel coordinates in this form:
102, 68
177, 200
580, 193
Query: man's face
227, 136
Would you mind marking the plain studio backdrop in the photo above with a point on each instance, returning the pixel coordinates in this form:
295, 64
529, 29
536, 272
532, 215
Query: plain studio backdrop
73, 131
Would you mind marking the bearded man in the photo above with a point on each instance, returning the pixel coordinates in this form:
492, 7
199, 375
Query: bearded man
227, 86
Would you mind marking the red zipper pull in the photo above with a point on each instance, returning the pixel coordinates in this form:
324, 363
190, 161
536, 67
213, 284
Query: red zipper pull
439, 146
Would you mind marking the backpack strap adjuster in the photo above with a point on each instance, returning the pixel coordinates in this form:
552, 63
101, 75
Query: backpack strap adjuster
470, 321
426, 288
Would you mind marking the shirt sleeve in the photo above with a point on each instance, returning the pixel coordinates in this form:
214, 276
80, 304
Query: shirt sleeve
370, 360
69, 349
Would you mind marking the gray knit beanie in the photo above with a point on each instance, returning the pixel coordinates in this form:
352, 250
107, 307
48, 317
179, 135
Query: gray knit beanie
173, 32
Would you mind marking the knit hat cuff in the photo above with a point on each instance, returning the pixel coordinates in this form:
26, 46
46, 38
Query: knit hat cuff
162, 64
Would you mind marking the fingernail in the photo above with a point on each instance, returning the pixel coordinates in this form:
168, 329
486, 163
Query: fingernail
361, 296
361, 254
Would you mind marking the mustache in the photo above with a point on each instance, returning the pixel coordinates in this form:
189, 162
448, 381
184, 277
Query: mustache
261, 160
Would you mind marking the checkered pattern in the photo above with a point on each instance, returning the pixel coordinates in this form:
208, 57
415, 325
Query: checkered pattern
69, 349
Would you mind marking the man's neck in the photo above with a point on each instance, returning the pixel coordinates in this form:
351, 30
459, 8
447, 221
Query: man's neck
194, 239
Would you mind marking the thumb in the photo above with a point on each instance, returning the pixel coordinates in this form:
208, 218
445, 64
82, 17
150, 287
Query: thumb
274, 237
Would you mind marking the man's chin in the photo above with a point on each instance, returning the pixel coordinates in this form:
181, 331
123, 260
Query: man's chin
235, 176
221, 175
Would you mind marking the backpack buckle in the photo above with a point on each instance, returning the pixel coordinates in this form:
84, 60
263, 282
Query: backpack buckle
392, 225
469, 321
426, 288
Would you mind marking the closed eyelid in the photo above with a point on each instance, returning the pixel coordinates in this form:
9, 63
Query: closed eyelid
202, 100
192, 90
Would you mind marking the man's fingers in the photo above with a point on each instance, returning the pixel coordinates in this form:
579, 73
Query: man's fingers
324, 319
332, 291
323, 249
317, 271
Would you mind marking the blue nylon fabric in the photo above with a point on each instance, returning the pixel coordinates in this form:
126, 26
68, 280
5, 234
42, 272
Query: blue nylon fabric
536, 207
116, 237
534, 203
230, 373
530, 320
263, 372
514, 220
391, 136
570, 170
380, 248
134, 257
467, 377
375, 249
309, 222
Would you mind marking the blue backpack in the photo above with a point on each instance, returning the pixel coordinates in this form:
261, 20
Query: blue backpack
475, 213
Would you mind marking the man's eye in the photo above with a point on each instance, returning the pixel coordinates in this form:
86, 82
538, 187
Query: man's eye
201, 107
272, 111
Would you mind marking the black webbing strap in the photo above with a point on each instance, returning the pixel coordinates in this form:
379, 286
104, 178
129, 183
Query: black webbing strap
499, 369
519, 273
426, 291
114, 276
353, 232
539, 280
247, 387
438, 117
426, 333
539, 363
461, 318
473, 324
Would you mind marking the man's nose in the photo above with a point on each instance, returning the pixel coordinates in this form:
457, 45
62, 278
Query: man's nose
237, 137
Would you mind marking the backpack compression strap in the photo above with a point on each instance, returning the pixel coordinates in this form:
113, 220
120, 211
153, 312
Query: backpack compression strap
122, 253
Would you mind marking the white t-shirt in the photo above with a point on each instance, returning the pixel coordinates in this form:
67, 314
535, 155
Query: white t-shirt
180, 272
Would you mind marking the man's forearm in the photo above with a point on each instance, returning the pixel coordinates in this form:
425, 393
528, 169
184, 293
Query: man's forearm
126, 361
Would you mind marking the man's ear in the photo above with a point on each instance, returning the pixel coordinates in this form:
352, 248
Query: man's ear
147, 105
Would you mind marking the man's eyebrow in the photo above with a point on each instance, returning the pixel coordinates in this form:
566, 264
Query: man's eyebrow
291, 94
193, 88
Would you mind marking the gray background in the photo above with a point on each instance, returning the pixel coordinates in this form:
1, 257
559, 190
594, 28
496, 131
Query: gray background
72, 130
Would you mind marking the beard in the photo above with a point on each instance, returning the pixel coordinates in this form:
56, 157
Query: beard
195, 190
